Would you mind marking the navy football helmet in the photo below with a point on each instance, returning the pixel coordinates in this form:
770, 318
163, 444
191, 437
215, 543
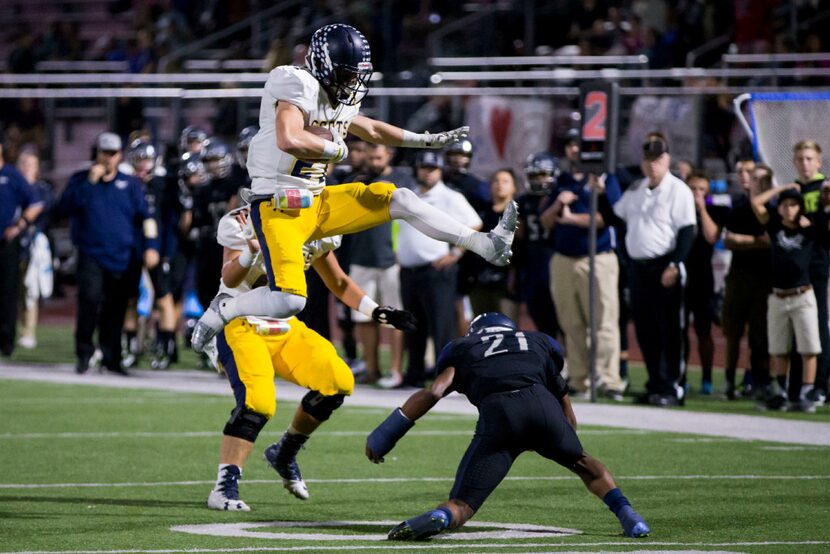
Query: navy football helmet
458, 155
542, 171
340, 59
141, 150
243, 143
217, 157
189, 135
490, 320
192, 171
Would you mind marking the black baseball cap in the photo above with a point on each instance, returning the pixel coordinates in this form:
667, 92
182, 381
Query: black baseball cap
655, 147
791, 194
429, 158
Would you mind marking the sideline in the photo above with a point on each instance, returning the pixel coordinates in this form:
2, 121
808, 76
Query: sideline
645, 418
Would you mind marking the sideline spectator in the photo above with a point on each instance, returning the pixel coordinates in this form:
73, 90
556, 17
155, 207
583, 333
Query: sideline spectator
489, 291
374, 268
748, 282
659, 214
569, 216
792, 306
700, 289
37, 255
19, 208
807, 162
429, 270
109, 217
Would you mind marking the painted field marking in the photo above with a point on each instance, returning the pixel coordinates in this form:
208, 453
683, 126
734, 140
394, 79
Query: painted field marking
640, 546
370, 480
243, 529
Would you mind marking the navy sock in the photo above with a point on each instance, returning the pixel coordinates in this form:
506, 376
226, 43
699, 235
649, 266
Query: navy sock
616, 501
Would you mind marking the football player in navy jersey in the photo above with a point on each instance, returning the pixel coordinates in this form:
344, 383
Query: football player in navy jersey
514, 379
533, 245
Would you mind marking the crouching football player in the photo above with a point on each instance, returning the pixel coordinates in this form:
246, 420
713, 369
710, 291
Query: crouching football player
252, 350
513, 378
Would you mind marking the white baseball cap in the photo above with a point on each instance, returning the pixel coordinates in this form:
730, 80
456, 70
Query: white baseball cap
108, 142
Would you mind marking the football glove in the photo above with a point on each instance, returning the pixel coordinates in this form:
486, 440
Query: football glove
383, 439
434, 140
399, 319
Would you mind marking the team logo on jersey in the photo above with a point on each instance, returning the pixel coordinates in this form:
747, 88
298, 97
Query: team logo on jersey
120, 184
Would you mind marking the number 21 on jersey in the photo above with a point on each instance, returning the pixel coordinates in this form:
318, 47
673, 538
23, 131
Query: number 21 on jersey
498, 344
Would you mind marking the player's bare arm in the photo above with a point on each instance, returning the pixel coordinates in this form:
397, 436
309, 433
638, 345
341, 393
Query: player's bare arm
380, 132
344, 288
237, 263
293, 139
759, 202
423, 400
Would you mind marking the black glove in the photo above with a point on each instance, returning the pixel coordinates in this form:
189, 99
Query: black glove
399, 319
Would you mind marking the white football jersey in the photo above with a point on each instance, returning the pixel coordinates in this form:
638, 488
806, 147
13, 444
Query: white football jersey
269, 167
229, 234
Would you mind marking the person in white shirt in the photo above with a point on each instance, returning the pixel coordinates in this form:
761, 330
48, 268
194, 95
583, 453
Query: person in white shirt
659, 214
287, 165
429, 268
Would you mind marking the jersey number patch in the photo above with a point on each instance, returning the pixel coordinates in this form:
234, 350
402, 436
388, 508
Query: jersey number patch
498, 338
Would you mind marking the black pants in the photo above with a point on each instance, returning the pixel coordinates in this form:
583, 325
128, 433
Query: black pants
316, 311
429, 294
9, 284
102, 303
659, 322
510, 423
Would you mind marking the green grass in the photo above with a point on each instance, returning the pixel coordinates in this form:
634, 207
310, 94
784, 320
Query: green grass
39, 445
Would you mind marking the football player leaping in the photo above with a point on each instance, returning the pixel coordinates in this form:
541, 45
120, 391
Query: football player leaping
252, 350
287, 165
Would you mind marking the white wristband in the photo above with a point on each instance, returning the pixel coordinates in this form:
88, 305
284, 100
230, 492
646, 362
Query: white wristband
367, 306
332, 150
413, 140
246, 258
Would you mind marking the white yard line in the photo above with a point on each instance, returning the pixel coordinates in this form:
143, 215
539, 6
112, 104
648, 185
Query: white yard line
640, 545
14, 486
678, 420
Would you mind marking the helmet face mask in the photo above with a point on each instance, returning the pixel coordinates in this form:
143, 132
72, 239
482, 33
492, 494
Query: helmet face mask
487, 321
217, 158
244, 142
339, 57
192, 139
192, 171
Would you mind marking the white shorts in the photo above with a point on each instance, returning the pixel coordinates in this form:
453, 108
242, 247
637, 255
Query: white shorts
793, 314
381, 285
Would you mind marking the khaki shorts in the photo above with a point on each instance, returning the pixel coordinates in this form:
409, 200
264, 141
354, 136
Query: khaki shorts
793, 314
381, 285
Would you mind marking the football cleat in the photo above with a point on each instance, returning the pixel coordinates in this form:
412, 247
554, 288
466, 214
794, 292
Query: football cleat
209, 324
282, 456
225, 495
420, 527
501, 235
816, 396
633, 524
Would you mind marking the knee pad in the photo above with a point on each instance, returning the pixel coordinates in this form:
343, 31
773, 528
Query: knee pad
285, 303
319, 406
245, 424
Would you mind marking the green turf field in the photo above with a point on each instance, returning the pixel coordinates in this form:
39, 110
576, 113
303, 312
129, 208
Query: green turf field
104, 470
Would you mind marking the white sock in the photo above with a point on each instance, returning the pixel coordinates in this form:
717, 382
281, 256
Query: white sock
263, 302
434, 223
805, 389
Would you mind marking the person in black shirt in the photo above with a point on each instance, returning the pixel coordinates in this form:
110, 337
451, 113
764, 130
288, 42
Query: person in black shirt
791, 308
457, 176
748, 281
700, 284
514, 379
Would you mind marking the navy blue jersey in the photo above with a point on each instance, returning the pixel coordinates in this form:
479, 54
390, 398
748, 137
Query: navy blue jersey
533, 247
503, 360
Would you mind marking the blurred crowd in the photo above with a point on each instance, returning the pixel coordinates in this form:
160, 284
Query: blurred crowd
664, 31
147, 262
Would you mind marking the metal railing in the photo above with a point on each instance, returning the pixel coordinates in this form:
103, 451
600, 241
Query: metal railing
82, 66
748, 59
513, 61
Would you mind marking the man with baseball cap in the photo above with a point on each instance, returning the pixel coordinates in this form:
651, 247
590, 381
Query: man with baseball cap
429, 270
110, 222
659, 214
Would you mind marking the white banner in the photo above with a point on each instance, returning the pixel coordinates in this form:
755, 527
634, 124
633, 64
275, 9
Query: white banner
678, 118
505, 131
